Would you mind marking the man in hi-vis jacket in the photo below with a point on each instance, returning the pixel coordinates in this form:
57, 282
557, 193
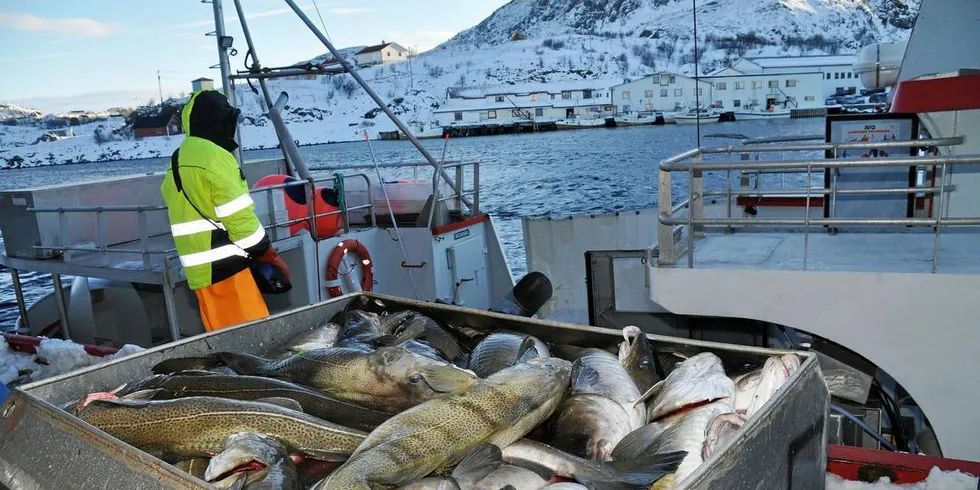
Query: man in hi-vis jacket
211, 214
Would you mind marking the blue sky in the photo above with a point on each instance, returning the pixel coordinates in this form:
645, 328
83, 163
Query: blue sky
83, 54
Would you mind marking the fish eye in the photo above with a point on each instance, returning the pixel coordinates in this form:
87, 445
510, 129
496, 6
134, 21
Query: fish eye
644, 364
415, 378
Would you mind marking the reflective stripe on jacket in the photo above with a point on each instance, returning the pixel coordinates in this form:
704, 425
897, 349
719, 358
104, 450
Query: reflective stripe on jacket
217, 245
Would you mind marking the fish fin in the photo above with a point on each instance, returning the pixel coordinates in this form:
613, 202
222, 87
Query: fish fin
414, 330
448, 378
584, 376
462, 360
651, 392
385, 341
147, 394
636, 474
282, 402
527, 351
170, 366
245, 363
482, 460
635, 443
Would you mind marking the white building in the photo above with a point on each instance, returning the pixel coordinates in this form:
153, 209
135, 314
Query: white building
532, 102
381, 53
837, 70
733, 90
202, 84
661, 92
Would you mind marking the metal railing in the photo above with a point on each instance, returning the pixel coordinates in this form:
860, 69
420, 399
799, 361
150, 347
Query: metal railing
677, 234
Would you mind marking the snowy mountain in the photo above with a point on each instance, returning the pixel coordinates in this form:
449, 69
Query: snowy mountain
528, 41
12, 113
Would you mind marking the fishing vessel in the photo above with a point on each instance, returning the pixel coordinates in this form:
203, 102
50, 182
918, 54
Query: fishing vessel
750, 115
878, 298
692, 116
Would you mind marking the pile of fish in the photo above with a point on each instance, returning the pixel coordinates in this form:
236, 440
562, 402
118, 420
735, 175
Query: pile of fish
384, 400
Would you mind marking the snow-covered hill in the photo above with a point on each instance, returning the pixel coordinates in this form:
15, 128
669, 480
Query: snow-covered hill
540, 41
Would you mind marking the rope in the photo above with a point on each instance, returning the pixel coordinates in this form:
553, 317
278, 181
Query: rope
338, 188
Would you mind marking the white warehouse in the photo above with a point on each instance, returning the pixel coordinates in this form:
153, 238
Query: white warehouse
533, 102
732, 90
837, 71
660, 92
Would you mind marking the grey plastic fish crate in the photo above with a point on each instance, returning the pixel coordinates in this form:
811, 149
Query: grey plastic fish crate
782, 447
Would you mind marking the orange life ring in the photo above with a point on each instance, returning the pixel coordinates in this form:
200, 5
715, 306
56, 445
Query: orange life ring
333, 263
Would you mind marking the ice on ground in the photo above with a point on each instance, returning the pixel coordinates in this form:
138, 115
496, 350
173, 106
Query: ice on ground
937, 480
54, 357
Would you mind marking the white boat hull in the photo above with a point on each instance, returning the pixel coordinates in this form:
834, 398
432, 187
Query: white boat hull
752, 115
684, 119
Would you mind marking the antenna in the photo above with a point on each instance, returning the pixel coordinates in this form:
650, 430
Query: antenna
160, 86
697, 88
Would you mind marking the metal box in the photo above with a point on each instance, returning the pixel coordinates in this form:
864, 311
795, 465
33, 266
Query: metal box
23, 230
783, 446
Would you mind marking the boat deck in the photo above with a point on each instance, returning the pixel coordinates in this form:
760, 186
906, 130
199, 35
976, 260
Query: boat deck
851, 252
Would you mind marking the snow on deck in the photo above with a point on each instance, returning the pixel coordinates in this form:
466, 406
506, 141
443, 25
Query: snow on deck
937, 480
850, 252
53, 357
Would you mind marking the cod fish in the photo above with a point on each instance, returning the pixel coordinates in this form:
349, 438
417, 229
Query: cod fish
389, 379
640, 360
419, 326
697, 380
721, 429
600, 410
199, 426
515, 477
437, 434
360, 329
201, 383
636, 473
501, 350
322, 337
687, 433
483, 460
754, 389
253, 461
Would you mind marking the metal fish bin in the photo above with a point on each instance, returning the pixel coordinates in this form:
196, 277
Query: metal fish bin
41, 446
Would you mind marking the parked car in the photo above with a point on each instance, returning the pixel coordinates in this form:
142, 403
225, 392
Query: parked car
852, 99
878, 99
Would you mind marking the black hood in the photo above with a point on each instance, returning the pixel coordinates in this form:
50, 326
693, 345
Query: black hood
208, 115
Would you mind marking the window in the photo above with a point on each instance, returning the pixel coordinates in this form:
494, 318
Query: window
790, 83
626, 95
849, 74
678, 92
837, 76
499, 98
566, 95
400, 54
491, 114
457, 116
664, 81
539, 112
737, 103
552, 96
533, 97
648, 93
828, 76
586, 94
663, 92
626, 108
672, 78
719, 103
655, 79
739, 85
809, 98
773, 83
757, 84
721, 86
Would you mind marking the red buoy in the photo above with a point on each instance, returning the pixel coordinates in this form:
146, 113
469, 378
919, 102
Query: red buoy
294, 198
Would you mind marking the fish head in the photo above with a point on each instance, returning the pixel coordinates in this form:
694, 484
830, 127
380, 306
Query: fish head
637, 356
416, 377
360, 324
249, 454
394, 323
537, 373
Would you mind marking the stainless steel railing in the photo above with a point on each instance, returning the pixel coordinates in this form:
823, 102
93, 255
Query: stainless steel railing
677, 234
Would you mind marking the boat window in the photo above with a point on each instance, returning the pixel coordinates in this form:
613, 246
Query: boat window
722, 85
849, 74
678, 92
773, 83
586, 94
663, 92
757, 84
655, 79
499, 98
828, 76
790, 83
837, 76
566, 95
491, 114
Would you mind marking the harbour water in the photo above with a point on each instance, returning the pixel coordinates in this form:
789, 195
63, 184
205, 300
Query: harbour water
556, 173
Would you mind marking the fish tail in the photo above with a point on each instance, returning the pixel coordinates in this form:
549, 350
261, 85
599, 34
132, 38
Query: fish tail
636, 473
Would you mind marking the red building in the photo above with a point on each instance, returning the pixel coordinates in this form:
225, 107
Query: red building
145, 127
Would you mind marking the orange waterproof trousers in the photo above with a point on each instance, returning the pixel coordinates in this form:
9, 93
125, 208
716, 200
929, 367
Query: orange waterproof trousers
231, 302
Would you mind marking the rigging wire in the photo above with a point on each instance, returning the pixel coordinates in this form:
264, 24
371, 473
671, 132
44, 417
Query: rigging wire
324, 26
697, 88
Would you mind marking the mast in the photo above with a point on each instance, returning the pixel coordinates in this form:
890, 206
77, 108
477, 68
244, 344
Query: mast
224, 43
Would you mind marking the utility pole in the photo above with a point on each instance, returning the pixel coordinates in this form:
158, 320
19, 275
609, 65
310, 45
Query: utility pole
160, 87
